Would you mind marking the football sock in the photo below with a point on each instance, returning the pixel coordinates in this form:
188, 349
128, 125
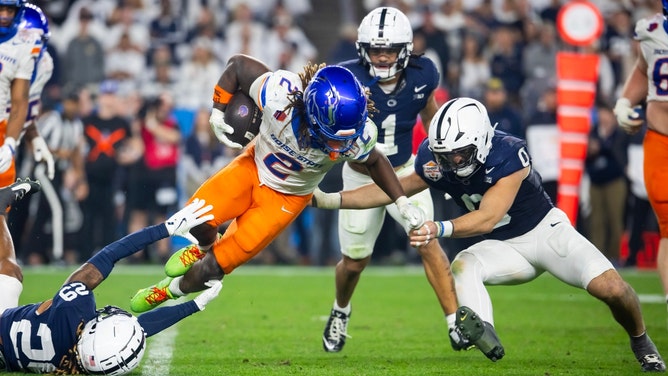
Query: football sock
450, 319
642, 344
174, 287
345, 309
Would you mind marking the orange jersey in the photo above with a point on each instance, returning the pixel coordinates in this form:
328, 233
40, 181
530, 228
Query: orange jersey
656, 175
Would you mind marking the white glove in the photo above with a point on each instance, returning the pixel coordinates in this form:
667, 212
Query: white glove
209, 294
190, 216
7, 151
629, 118
220, 128
326, 200
411, 213
41, 153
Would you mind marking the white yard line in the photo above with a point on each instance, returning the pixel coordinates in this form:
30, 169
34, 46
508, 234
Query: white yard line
158, 357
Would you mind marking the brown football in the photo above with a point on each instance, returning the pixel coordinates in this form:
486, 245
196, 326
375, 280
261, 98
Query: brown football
244, 116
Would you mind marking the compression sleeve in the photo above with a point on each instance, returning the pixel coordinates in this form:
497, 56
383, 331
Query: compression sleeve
105, 259
162, 318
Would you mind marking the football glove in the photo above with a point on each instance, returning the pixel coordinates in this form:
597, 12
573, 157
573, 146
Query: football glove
41, 153
324, 200
7, 151
629, 118
190, 216
209, 294
221, 128
413, 215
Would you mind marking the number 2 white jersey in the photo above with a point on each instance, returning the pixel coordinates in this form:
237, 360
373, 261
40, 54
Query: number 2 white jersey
17, 61
652, 34
281, 164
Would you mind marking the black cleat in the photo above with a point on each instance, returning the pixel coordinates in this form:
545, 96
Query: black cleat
458, 341
480, 333
18, 190
335, 334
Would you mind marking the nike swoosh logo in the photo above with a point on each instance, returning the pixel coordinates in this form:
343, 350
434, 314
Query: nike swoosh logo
488, 170
25, 186
286, 210
419, 88
555, 223
328, 345
464, 317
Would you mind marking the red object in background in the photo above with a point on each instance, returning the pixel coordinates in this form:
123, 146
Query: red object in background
419, 134
646, 258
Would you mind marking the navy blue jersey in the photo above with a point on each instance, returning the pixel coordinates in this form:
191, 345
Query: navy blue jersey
398, 111
508, 155
37, 343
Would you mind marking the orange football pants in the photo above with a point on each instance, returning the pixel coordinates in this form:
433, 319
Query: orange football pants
8, 177
655, 167
258, 213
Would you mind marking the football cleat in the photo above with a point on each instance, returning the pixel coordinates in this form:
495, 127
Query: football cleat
18, 190
480, 333
150, 297
335, 334
458, 341
183, 259
652, 363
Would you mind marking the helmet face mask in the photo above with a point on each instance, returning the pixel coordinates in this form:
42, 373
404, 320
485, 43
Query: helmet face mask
460, 136
336, 109
385, 28
112, 343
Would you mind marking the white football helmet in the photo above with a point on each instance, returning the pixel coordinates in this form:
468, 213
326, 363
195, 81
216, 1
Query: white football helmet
460, 136
389, 28
113, 343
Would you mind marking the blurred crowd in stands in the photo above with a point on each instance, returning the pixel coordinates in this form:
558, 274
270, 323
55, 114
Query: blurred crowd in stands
131, 95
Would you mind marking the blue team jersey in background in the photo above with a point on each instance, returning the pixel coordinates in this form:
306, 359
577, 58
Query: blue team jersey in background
508, 155
36, 343
398, 111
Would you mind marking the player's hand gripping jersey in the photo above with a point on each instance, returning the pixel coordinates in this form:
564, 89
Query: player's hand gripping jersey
282, 164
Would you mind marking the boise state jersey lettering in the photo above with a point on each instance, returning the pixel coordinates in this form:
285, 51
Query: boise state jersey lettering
508, 155
652, 33
281, 164
17, 58
398, 111
36, 342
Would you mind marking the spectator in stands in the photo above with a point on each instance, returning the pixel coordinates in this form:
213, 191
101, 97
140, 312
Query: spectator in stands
499, 109
161, 75
84, 59
166, 29
194, 85
506, 61
474, 70
126, 63
606, 165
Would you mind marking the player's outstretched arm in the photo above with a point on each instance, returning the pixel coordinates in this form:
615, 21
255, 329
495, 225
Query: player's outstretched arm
98, 267
162, 318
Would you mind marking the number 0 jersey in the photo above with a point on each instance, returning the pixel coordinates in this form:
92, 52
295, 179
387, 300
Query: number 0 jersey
652, 33
508, 155
37, 342
282, 165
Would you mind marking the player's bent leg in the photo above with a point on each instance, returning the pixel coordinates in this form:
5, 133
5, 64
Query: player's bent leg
623, 302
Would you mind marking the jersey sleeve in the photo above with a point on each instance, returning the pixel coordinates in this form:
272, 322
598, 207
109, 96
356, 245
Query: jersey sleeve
646, 26
364, 143
31, 45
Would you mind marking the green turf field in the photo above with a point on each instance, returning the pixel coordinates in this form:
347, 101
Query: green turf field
269, 321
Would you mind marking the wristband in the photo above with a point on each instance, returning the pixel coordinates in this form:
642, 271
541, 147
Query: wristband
444, 229
221, 95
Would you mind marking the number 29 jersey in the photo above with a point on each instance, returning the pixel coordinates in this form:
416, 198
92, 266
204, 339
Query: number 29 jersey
37, 342
652, 33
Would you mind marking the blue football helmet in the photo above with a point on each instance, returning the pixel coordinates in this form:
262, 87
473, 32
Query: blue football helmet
336, 108
7, 32
34, 18
665, 7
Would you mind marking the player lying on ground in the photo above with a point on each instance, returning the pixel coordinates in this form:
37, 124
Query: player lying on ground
67, 334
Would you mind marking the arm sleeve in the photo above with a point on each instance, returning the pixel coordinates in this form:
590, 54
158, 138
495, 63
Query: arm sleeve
162, 318
105, 259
